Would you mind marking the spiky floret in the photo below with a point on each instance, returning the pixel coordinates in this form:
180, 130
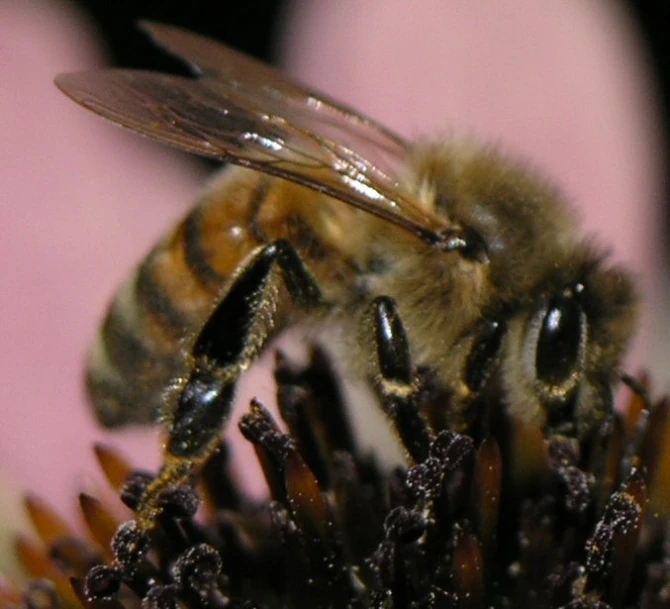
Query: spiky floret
499, 516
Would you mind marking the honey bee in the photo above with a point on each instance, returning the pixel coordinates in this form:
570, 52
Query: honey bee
450, 252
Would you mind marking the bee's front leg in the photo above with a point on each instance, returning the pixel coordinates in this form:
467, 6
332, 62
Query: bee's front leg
394, 375
233, 337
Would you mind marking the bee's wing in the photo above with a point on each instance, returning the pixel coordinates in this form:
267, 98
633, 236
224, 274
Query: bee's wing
211, 59
277, 128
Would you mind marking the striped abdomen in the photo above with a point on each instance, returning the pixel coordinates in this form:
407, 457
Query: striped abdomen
140, 348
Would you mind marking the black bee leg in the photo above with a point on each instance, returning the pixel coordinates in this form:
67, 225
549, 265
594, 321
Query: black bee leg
395, 377
248, 314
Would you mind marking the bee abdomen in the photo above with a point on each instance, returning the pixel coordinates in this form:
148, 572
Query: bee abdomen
142, 346
136, 350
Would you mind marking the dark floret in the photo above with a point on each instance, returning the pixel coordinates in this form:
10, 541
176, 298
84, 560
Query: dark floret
499, 516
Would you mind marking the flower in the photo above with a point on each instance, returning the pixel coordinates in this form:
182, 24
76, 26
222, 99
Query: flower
496, 515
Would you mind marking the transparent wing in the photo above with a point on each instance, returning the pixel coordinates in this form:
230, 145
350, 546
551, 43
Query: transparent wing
252, 115
208, 58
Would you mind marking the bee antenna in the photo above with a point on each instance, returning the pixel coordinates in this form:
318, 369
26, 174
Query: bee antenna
634, 446
637, 388
467, 241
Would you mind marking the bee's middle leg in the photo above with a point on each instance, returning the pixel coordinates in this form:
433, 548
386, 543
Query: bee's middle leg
230, 341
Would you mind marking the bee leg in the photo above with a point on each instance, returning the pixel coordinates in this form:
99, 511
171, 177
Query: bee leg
395, 377
229, 342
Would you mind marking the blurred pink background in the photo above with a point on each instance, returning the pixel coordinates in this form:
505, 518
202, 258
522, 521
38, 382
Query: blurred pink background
564, 84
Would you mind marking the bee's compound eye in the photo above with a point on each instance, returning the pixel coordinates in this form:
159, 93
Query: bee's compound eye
560, 340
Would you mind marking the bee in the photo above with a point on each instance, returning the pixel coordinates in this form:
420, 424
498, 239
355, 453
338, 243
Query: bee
451, 252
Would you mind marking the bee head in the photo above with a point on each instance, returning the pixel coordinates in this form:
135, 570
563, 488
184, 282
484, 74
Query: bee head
558, 352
